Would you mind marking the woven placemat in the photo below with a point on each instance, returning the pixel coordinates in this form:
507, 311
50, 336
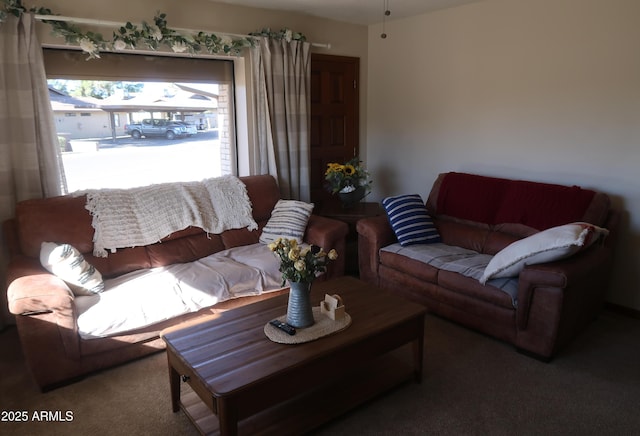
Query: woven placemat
323, 326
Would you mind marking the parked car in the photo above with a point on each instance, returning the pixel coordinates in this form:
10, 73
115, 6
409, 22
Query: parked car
191, 129
167, 128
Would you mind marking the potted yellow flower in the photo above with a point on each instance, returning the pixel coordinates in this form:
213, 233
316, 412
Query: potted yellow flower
300, 265
350, 181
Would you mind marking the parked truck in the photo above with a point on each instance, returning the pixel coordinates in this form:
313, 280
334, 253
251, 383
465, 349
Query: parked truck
167, 128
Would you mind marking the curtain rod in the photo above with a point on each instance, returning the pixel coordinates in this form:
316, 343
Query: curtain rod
105, 23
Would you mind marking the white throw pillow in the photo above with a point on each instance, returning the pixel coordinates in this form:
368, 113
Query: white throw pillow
545, 246
68, 263
288, 220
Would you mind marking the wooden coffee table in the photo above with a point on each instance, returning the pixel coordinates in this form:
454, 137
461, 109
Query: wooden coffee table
236, 380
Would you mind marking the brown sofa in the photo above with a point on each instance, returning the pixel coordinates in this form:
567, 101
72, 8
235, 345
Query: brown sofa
551, 301
44, 307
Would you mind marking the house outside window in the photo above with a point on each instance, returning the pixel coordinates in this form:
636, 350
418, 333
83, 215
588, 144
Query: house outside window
190, 107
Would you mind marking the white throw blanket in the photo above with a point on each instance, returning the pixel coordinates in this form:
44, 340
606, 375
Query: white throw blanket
142, 216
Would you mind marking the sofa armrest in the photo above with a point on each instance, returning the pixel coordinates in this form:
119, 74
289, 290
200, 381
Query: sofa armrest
373, 234
46, 300
557, 299
588, 271
329, 234
588, 268
32, 289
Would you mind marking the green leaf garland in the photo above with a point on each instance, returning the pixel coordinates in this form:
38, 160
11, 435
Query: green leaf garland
145, 35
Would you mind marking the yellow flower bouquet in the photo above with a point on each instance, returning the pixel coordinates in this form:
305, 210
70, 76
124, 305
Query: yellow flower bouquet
345, 178
301, 264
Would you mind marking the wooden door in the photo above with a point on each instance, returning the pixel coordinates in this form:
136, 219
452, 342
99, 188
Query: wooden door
334, 117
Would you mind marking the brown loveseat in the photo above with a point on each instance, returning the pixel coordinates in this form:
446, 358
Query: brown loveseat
550, 302
46, 315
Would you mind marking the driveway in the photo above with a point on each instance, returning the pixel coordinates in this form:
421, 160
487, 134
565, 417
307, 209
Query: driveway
128, 162
128, 141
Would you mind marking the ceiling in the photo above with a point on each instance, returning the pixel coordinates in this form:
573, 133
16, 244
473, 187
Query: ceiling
353, 11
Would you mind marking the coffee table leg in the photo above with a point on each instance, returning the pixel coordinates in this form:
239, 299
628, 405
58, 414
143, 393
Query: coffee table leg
227, 418
174, 384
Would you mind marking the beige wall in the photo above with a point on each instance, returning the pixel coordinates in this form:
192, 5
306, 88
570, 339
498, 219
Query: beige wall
545, 90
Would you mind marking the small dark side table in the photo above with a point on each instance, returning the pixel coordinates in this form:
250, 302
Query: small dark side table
351, 216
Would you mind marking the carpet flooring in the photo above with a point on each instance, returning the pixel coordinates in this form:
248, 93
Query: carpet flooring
473, 385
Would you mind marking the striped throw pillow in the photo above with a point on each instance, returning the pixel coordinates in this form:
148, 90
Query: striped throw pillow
288, 220
410, 220
67, 263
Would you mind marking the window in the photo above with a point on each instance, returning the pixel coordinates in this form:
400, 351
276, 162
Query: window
133, 120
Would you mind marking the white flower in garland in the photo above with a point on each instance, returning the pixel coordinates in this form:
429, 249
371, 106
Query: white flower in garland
226, 40
89, 47
288, 34
284, 34
155, 32
179, 47
119, 44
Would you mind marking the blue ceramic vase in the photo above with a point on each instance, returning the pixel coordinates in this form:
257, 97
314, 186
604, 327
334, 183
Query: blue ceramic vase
299, 311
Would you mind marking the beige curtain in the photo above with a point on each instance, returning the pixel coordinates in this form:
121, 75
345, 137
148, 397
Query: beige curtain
281, 84
30, 158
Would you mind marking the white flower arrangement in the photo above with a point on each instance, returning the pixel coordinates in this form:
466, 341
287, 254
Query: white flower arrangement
301, 264
132, 36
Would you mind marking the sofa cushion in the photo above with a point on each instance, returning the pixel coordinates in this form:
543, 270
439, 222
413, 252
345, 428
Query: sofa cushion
466, 234
39, 221
146, 297
443, 256
468, 196
288, 220
543, 205
264, 194
546, 246
398, 258
410, 220
67, 263
186, 248
493, 200
466, 293
439, 256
